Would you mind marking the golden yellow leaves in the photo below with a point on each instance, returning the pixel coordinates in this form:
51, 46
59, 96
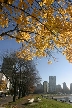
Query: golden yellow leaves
69, 11
3, 20
4, 23
48, 2
22, 36
25, 53
20, 19
24, 4
26, 36
30, 1
39, 44
62, 29
21, 4
66, 39
10, 1
1, 38
49, 62
40, 53
68, 53
64, 52
2, 85
47, 28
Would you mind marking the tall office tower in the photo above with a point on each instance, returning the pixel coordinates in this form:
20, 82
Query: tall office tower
52, 84
65, 88
71, 88
45, 87
58, 88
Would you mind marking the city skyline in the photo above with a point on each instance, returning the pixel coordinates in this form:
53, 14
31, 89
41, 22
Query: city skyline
51, 87
61, 69
57, 84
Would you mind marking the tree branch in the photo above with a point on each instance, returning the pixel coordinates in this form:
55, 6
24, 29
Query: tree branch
33, 17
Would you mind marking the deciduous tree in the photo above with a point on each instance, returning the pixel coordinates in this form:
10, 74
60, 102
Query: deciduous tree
41, 25
23, 74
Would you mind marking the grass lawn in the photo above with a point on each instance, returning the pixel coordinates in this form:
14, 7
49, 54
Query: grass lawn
44, 103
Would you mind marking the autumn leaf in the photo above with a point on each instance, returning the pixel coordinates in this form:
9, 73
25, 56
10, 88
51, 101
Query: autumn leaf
49, 62
39, 25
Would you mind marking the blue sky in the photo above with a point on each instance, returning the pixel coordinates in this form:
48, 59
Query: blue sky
61, 69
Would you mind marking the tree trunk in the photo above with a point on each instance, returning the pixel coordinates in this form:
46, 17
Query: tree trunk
20, 84
23, 92
14, 96
19, 90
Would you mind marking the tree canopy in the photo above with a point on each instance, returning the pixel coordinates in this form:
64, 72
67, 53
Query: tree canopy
41, 25
25, 71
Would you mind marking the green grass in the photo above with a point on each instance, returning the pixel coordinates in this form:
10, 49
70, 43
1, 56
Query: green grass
49, 104
45, 103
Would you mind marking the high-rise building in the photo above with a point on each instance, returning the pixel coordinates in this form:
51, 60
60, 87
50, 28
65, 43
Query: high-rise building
65, 88
71, 88
45, 87
52, 84
58, 88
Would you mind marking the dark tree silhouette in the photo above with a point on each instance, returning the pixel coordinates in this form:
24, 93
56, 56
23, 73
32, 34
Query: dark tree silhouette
23, 74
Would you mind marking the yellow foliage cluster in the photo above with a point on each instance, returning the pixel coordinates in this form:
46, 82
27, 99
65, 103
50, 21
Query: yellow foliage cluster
46, 2
49, 32
22, 36
2, 85
3, 20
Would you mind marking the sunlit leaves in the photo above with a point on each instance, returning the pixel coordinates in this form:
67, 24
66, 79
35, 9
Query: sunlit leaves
30, 1
22, 36
48, 2
1, 38
39, 25
2, 85
26, 54
10, 1
3, 20
49, 62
